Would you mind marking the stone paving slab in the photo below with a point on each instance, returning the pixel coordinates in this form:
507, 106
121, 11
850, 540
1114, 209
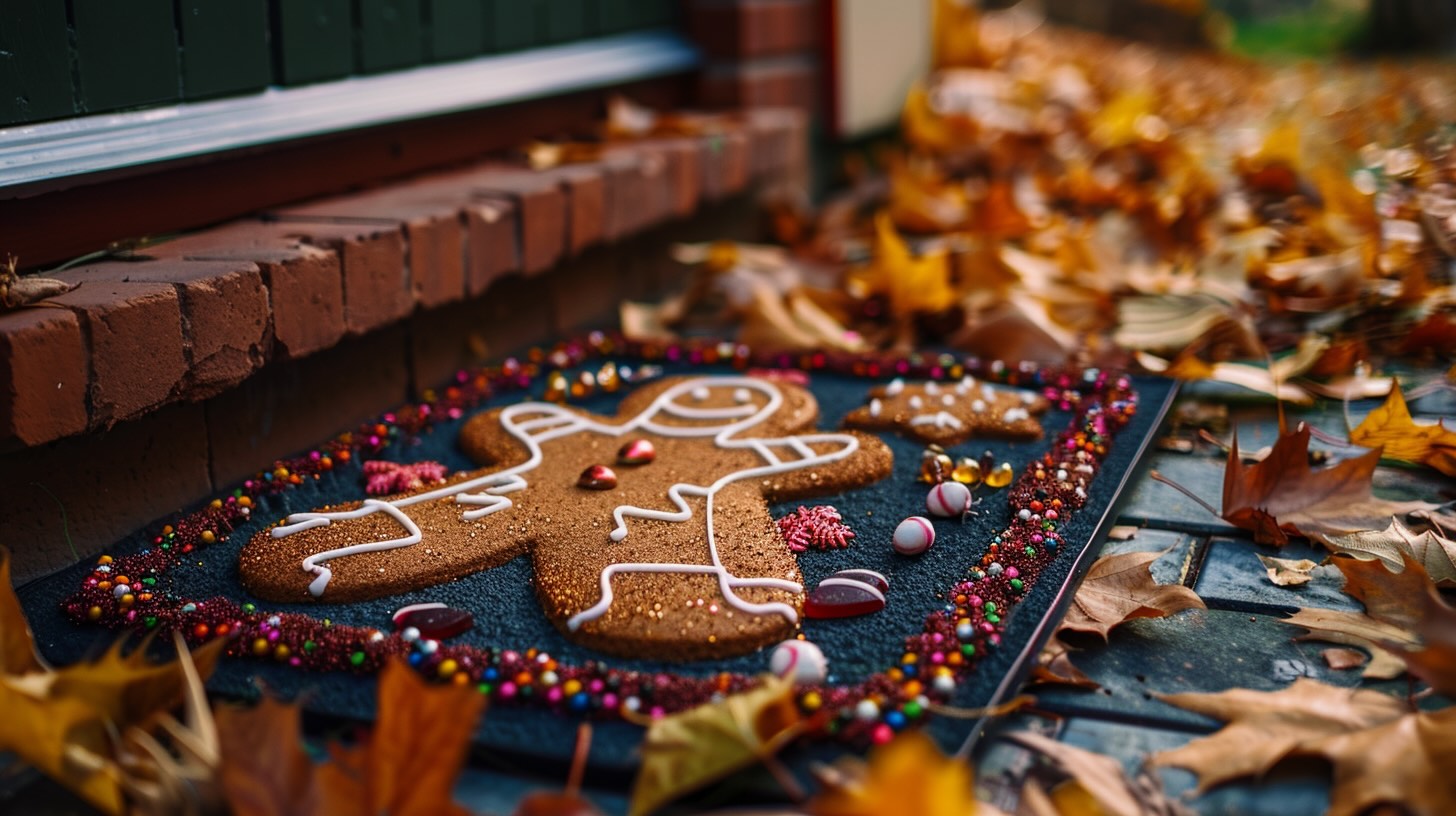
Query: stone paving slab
1192, 651
1231, 577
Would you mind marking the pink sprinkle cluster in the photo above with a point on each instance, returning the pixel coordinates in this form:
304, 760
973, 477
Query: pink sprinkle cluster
385, 478
819, 527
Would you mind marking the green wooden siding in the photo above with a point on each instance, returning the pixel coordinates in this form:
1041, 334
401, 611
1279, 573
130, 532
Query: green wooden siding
224, 47
35, 64
389, 33
62, 58
126, 54
454, 29
313, 40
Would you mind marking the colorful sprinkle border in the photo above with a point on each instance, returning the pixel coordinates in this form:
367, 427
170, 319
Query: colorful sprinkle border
122, 592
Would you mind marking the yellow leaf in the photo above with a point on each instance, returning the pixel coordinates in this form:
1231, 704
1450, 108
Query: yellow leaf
62, 721
1392, 428
17, 645
684, 752
907, 777
923, 127
911, 284
956, 42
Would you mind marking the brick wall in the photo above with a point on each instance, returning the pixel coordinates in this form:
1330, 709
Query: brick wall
760, 52
164, 379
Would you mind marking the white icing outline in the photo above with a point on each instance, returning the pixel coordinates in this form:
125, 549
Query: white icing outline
532, 423
940, 419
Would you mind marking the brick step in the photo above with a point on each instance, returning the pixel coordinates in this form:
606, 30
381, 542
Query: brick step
162, 380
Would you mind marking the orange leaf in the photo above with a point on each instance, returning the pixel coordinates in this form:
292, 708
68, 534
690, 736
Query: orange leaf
907, 776
1392, 427
406, 768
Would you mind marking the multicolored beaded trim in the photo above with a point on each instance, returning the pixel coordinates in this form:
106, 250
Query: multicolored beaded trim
122, 593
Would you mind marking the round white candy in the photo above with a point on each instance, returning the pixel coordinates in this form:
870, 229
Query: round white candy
948, 500
800, 661
866, 711
914, 536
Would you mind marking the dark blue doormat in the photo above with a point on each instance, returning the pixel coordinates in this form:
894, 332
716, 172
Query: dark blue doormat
864, 653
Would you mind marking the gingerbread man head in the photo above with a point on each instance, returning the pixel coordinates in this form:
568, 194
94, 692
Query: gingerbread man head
678, 559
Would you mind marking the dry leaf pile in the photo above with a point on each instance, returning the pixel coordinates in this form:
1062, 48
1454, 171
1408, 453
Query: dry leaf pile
1381, 751
1059, 194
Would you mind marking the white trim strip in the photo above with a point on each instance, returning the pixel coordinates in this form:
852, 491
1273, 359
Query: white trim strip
32, 154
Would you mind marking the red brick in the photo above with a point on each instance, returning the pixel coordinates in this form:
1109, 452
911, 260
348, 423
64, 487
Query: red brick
684, 173
428, 211
778, 142
90, 491
376, 287
586, 197
518, 313
540, 209
43, 376
304, 282
287, 408
224, 316
586, 293
753, 28
725, 165
494, 243
134, 333
639, 192
767, 82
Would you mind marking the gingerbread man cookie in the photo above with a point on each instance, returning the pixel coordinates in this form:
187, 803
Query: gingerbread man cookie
677, 558
950, 413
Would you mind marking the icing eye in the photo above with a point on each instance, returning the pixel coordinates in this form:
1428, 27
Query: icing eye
700, 393
895, 387
875, 407
742, 395
932, 389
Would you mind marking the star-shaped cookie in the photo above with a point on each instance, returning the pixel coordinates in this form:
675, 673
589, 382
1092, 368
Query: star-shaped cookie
950, 413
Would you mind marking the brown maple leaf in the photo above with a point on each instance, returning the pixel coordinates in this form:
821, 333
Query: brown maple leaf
1408, 600
1117, 589
1282, 494
407, 767
1405, 625
1392, 428
1094, 784
1381, 752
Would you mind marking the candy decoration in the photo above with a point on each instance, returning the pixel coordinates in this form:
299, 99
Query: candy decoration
935, 466
1000, 476
842, 598
597, 477
636, 452
948, 500
820, 527
967, 471
435, 621
914, 536
865, 576
799, 661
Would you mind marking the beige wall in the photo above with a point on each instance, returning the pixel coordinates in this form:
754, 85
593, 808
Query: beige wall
882, 46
